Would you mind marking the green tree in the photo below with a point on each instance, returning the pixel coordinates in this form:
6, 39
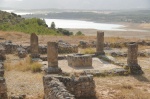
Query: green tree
79, 33
53, 25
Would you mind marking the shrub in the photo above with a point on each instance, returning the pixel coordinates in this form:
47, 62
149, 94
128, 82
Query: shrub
35, 67
79, 33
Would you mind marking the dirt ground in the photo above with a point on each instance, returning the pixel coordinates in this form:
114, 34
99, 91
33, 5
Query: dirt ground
111, 87
118, 87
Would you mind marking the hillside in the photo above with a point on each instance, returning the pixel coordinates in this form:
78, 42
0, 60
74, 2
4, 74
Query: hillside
133, 16
14, 22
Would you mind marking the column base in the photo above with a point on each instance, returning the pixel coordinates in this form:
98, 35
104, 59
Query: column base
53, 70
135, 70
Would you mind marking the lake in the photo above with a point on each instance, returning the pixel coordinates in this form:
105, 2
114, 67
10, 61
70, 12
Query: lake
62, 23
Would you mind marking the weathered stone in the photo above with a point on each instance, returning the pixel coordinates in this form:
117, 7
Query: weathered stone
100, 43
52, 58
64, 47
84, 44
52, 54
54, 89
79, 60
1, 72
43, 49
3, 89
10, 48
82, 87
132, 58
22, 53
2, 53
34, 46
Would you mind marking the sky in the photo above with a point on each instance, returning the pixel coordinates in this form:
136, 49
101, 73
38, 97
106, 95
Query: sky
77, 4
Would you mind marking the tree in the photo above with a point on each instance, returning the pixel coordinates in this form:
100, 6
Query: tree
79, 33
53, 25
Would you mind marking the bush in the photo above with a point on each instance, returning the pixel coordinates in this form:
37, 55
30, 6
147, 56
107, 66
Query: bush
35, 67
64, 32
79, 33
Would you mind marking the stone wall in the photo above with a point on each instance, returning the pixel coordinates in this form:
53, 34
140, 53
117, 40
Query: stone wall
2, 53
3, 88
54, 89
82, 87
61, 49
79, 60
10, 48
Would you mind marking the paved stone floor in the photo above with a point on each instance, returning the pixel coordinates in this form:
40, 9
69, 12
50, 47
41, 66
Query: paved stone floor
97, 64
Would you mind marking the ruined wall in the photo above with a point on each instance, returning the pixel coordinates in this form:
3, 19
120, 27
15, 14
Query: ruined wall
3, 88
82, 87
54, 89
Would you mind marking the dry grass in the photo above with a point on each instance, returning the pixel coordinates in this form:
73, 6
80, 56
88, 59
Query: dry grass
128, 92
121, 88
145, 25
87, 51
23, 65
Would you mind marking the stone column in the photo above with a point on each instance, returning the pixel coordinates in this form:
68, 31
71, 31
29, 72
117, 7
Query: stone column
34, 46
132, 60
52, 58
100, 43
52, 54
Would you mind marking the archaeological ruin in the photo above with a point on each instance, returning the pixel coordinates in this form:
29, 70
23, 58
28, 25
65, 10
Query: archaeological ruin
52, 58
132, 60
100, 43
3, 86
81, 60
34, 46
69, 74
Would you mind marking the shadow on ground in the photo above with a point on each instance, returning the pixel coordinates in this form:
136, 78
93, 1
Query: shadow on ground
141, 78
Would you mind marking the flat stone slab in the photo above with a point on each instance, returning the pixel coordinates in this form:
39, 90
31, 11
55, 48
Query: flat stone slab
97, 64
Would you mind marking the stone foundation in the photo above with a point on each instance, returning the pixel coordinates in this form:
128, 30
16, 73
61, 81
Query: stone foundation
3, 87
10, 48
58, 87
79, 60
2, 53
54, 89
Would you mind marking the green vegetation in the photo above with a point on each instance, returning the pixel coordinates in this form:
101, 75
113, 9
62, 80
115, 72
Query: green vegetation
64, 32
53, 25
134, 16
79, 33
13, 22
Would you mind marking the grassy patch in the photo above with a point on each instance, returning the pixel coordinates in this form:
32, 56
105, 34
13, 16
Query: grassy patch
88, 51
23, 65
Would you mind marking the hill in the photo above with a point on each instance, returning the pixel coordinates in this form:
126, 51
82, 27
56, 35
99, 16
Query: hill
14, 22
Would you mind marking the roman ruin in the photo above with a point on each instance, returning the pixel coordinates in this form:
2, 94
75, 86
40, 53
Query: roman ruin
59, 84
132, 60
79, 60
100, 43
52, 58
34, 46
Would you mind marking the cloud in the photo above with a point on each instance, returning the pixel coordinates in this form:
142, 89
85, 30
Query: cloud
76, 4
